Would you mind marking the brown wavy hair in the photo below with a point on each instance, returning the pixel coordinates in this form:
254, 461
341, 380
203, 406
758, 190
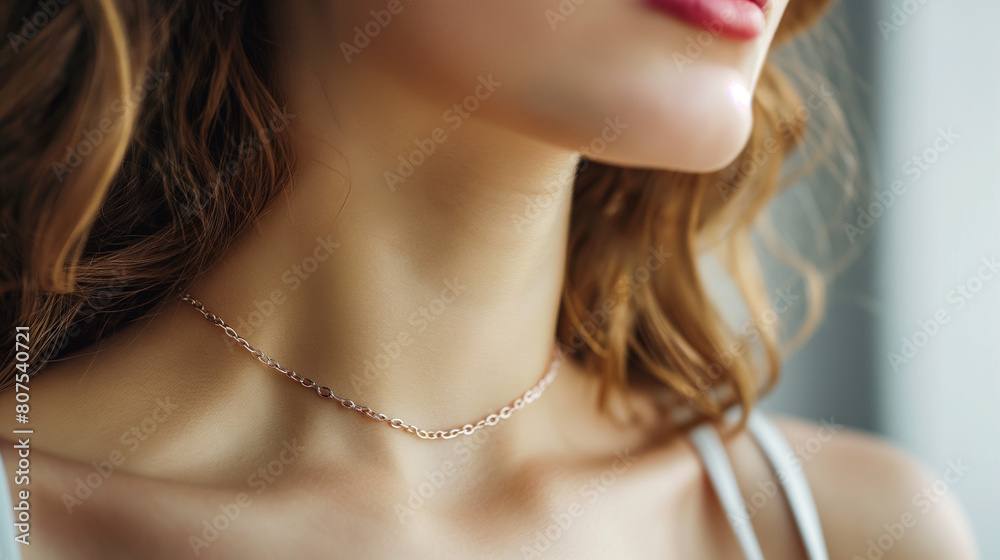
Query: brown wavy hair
124, 172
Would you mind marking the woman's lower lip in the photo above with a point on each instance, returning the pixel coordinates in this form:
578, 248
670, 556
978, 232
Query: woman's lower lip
734, 19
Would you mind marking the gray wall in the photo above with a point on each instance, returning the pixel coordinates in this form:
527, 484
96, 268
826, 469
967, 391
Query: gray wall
934, 68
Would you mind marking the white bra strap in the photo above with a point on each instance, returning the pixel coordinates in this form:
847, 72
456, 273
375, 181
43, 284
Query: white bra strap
794, 483
706, 440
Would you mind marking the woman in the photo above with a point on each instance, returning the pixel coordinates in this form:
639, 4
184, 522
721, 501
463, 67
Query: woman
386, 202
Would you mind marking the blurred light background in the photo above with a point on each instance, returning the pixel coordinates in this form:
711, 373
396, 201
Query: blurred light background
909, 345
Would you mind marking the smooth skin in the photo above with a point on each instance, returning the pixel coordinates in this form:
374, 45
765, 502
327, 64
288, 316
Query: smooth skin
450, 280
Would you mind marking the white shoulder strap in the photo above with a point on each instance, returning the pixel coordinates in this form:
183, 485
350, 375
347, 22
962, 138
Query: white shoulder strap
794, 483
720, 472
8, 546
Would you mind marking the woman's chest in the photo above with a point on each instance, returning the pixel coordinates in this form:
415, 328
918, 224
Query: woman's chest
584, 514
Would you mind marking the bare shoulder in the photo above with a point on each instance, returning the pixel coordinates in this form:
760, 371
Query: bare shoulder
874, 500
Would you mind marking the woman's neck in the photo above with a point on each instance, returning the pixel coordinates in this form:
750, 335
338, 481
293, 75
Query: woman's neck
415, 262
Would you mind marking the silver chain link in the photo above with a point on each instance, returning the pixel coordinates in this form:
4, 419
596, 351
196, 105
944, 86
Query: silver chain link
492, 420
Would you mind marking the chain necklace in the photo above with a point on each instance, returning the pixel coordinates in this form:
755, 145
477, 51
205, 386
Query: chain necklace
492, 420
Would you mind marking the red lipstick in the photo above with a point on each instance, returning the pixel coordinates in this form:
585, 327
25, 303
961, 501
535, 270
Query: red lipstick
734, 19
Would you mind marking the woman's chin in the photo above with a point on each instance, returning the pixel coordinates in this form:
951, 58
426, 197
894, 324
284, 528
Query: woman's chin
685, 147
695, 122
